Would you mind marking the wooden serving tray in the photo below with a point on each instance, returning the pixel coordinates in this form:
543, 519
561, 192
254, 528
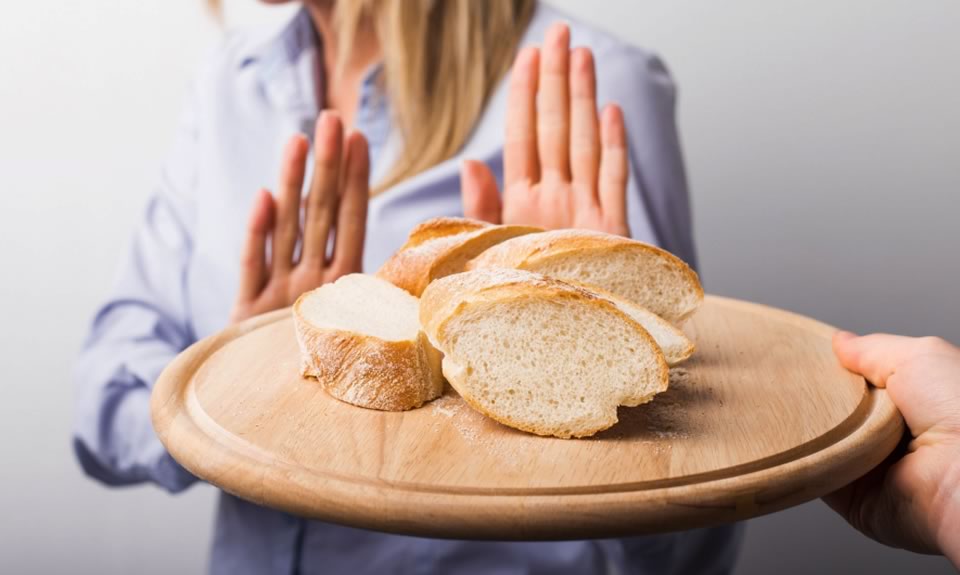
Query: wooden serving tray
761, 418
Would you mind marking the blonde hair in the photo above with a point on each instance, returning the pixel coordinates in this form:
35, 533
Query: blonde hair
442, 60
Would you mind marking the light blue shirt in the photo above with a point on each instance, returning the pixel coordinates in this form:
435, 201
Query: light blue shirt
178, 283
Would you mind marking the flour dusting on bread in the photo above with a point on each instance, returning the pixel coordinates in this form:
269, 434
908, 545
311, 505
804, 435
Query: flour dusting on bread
360, 338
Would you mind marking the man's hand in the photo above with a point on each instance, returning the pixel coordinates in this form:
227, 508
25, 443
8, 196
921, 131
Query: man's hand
912, 502
564, 167
337, 202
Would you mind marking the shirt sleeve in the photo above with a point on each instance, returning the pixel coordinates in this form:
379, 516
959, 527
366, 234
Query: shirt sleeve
658, 205
143, 324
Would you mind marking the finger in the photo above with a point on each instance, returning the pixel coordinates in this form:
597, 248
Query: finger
918, 373
876, 356
873, 506
614, 167
553, 111
851, 501
253, 265
287, 226
322, 201
584, 131
352, 213
520, 162
481, 201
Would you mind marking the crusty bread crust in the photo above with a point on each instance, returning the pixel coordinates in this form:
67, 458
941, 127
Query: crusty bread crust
584, 428
440, 247
445, 299
526, 252
441, 227
367, 371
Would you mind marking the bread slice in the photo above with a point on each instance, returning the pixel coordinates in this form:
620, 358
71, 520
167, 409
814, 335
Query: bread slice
676, 346
539, 354
360, 338
443, 246
638, 272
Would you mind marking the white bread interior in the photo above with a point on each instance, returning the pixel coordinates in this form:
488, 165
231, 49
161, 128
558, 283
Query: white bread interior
360, 338
676, 346
638, 272
539, 354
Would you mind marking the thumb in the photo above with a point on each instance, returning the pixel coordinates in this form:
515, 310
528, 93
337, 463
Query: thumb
478, 188
253, 263
875, 357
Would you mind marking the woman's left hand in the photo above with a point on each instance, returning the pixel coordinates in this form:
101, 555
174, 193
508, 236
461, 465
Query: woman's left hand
565, 166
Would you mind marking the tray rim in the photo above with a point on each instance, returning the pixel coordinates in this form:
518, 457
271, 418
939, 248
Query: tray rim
869, 435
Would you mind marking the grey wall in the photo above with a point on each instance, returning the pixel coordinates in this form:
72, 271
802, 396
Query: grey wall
822, 140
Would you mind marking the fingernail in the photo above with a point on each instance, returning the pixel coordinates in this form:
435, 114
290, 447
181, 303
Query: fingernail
560, 31
844, 335
526, 55
329, 118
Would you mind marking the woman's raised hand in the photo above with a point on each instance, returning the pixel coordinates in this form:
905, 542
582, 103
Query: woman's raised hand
337, 202
565, 166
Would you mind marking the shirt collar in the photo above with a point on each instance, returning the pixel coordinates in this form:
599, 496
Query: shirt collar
286, 66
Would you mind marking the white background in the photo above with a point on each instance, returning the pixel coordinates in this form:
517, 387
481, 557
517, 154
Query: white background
823, 147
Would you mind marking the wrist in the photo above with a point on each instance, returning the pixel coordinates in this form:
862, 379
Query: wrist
947, 530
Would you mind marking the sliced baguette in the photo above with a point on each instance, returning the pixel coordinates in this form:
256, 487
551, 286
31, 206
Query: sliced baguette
441, 227
360, 338
638, 272
676, 346
539, 354
443, 246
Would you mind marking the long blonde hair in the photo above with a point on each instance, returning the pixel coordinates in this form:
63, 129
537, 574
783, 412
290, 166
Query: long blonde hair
442, 60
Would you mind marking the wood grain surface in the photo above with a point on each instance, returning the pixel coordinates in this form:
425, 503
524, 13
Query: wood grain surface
762, 417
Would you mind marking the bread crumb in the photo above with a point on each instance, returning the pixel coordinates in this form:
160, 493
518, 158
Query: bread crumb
679, 376
447, 405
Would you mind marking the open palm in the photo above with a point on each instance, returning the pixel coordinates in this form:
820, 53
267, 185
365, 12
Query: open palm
335, 205
565, 166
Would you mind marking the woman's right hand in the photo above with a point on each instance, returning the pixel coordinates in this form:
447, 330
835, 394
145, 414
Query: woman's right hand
337, 202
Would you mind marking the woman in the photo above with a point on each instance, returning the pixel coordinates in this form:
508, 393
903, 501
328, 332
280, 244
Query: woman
419, 87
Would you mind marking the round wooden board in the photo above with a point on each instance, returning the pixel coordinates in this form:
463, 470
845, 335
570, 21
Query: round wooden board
761, 418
